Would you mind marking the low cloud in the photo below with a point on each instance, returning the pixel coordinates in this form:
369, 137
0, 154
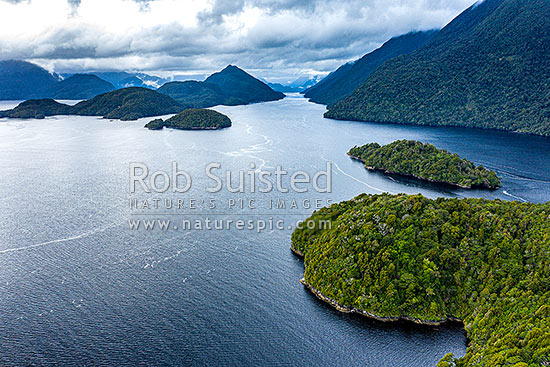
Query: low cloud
276, 38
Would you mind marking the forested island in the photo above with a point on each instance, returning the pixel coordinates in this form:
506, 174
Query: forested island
425, 162
193, 119
408, 257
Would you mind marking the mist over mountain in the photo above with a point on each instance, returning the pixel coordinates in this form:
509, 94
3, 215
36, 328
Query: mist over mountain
22, 80
488, 68
81, 86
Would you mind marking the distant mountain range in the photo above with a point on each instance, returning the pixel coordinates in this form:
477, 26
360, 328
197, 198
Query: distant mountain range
23, 80
344, 80
122, 79
297, 86
231, 86
488, 68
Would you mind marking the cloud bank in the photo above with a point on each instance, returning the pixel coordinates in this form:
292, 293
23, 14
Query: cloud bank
275, 38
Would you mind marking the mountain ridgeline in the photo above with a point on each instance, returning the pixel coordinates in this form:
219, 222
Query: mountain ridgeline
231, 86
23, 80
425, 162
344, 80
125, 104
488, 68
407, 257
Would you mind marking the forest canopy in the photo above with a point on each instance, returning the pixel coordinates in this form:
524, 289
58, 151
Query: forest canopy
426, 162
484, 262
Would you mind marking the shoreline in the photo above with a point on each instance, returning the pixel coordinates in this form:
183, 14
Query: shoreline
347, 309
376, 169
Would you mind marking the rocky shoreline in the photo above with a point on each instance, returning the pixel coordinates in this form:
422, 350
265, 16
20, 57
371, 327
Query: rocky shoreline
347, 309
417, 177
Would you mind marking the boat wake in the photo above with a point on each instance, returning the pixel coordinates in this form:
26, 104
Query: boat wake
60, 240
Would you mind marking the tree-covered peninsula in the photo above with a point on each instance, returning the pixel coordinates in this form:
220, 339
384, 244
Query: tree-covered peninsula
193, 119
484, 262
125, 104
425, 162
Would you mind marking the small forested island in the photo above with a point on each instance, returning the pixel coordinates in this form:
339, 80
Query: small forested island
486, 263
193, 119
425, 162
125, 104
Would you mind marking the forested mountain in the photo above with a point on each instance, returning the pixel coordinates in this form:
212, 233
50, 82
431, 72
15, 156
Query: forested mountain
128, 104
400, 256
194, 94
125, 104
238, 85
425, 162
231, 86
344, 80
22, 80
81, 86
488, 68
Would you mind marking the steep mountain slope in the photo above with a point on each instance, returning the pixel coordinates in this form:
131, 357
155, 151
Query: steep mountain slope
194, 94
81, 86
488, 68
231, 86
22, 80
330, 78
348, 77
242, 87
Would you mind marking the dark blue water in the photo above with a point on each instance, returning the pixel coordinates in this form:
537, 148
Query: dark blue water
78, 287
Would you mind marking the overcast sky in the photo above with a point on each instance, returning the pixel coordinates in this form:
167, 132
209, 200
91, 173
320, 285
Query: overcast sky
273, 39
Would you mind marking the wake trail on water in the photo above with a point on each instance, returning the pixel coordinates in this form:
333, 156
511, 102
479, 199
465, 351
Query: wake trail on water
514, 196
60, 240
251, 150
356, 179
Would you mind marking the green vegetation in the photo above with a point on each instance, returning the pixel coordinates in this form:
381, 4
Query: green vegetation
426, 162
156, 124
194, 94
484, 262
343, 81
128, 104
193, 119
231, 86
488, 68
125, 104
37, 109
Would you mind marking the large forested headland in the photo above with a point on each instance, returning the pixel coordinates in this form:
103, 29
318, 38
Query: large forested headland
425, 162
344, 80
125, 104
488, 68
399, 256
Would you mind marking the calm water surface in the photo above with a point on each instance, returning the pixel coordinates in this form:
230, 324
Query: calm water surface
78, 287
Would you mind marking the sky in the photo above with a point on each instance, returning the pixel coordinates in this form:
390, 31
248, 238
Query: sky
274, 39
